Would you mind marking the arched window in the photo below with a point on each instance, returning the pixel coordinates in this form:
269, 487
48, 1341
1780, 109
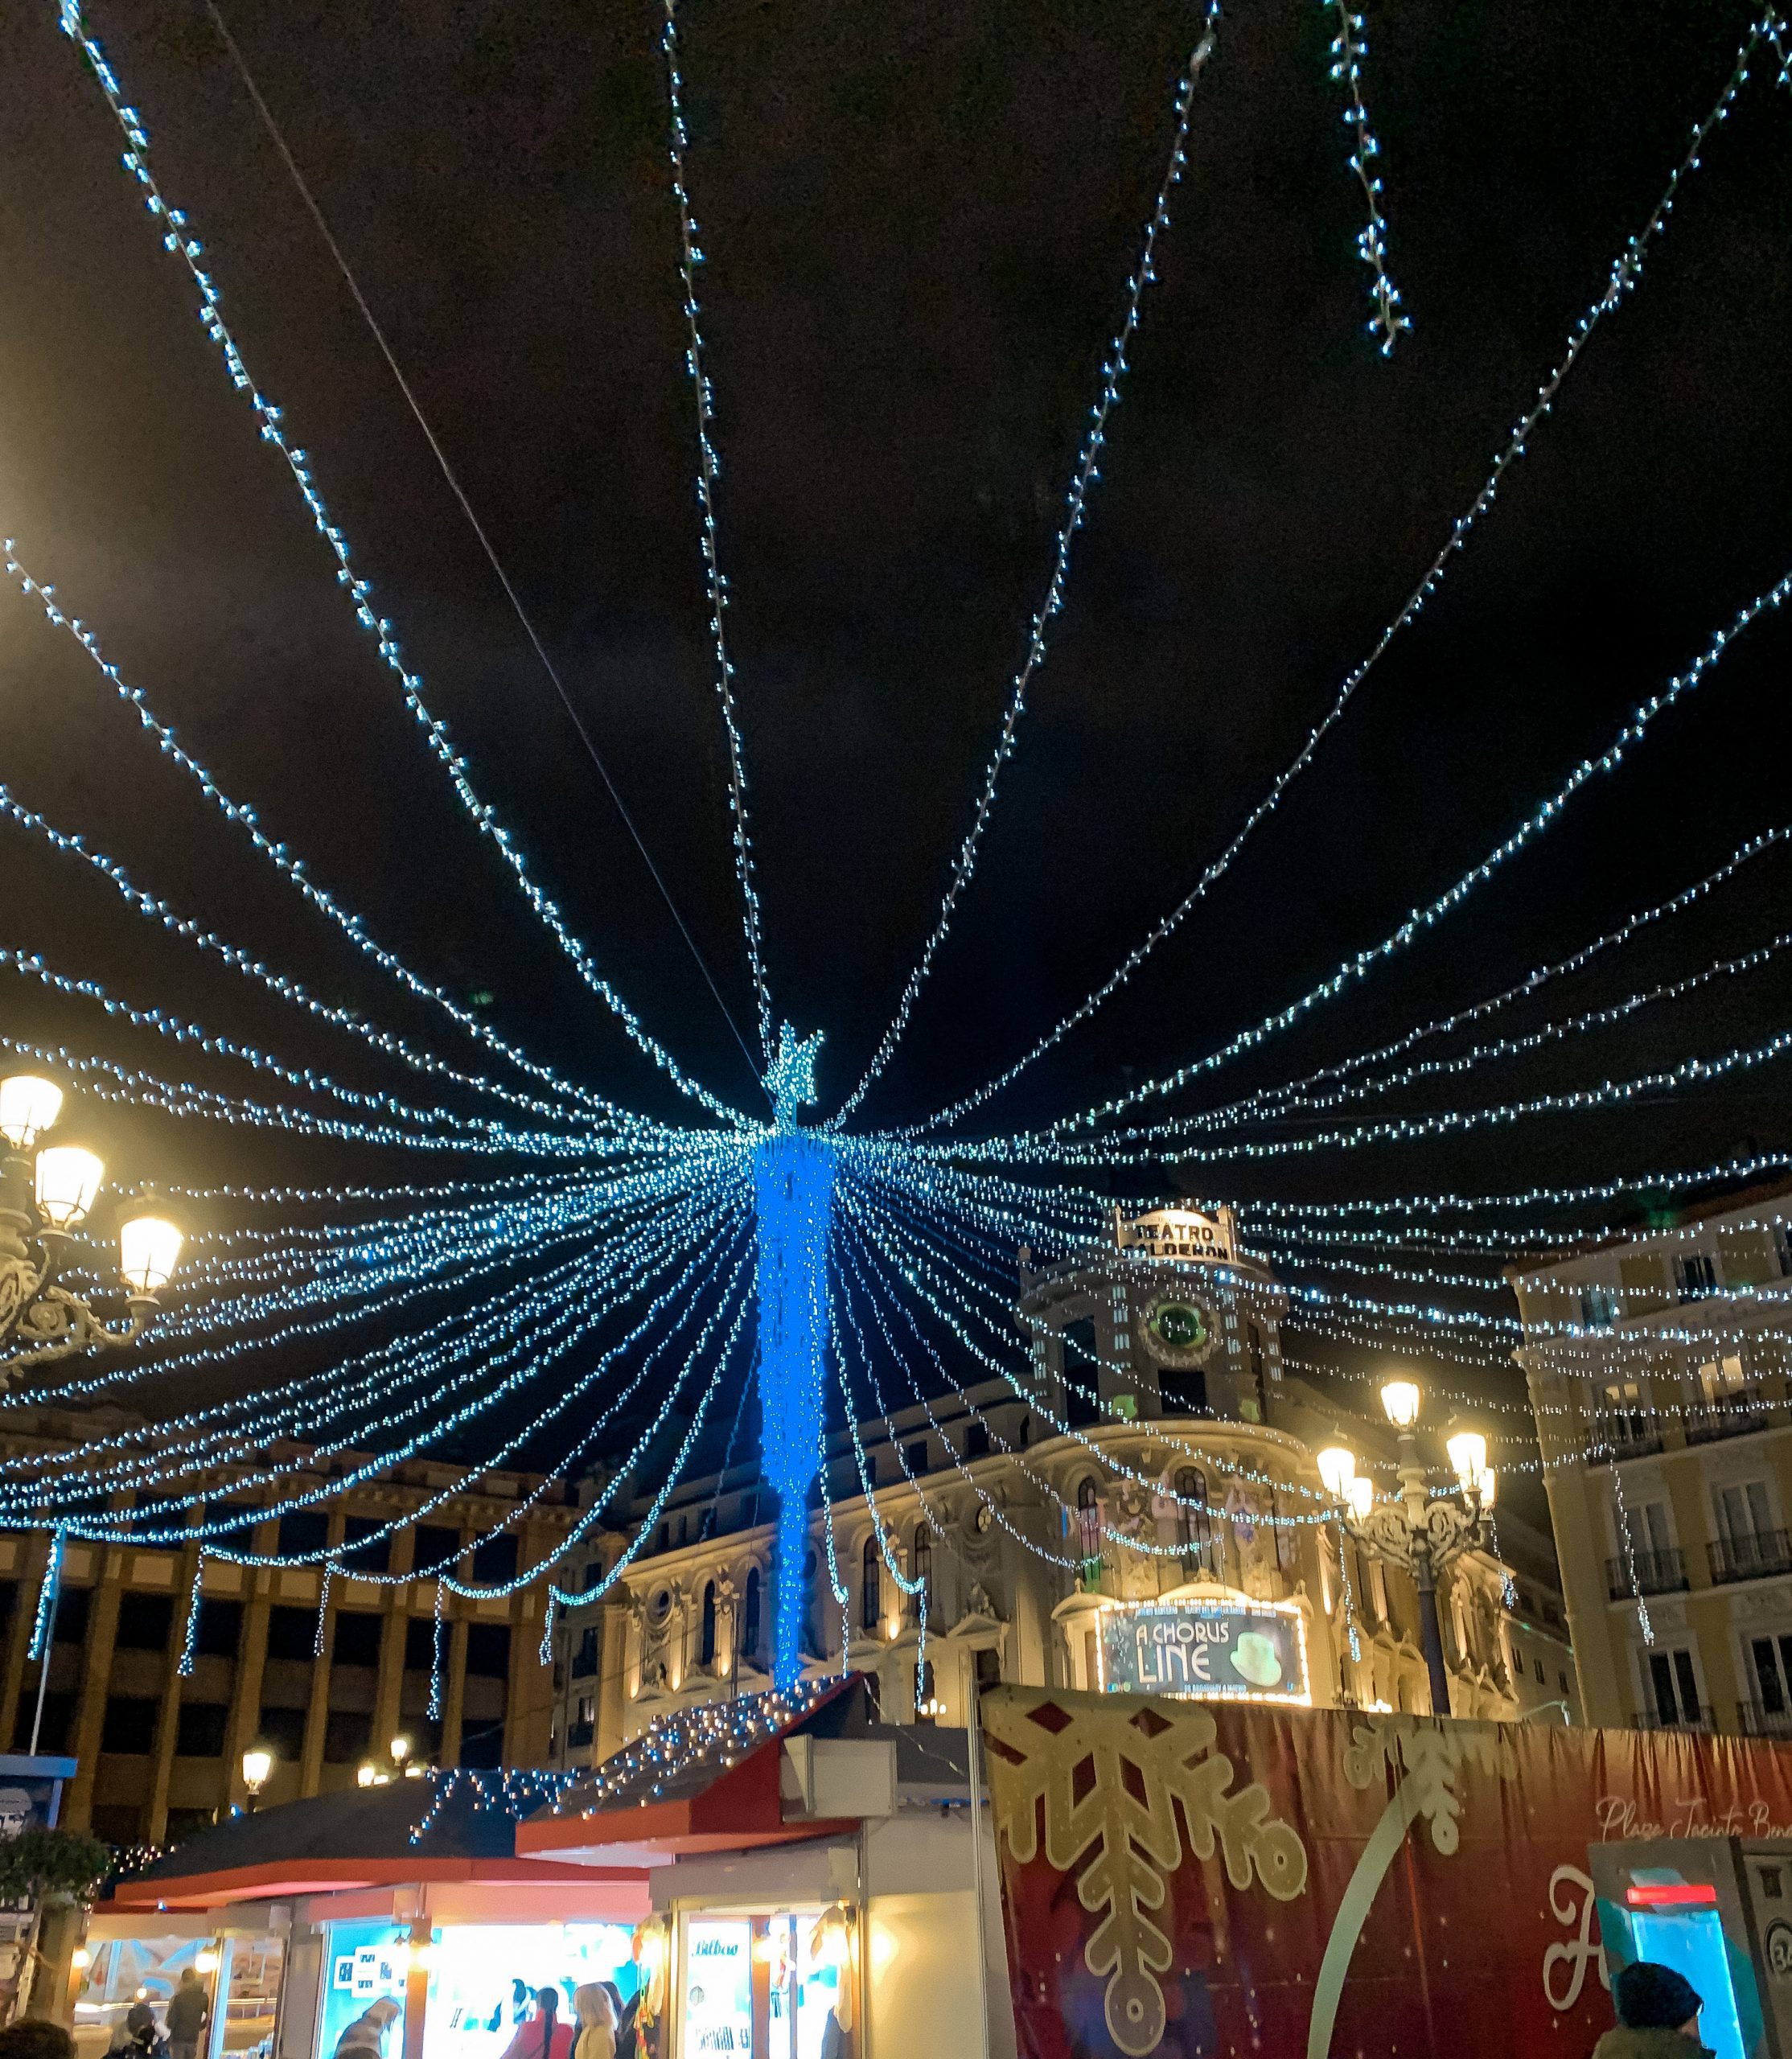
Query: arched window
1026, 1430
708, 1650
922, 1568
749, 1617
870, 1586
1195, 1524
1086, 1496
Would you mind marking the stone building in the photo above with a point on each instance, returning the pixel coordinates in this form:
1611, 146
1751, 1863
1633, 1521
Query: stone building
160, 1755
1018, 1539
1657, 1371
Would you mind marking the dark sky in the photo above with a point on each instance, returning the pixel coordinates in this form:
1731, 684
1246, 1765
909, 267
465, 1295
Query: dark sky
919, 220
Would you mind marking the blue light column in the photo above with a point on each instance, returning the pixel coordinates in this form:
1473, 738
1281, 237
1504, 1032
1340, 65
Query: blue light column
793, 1176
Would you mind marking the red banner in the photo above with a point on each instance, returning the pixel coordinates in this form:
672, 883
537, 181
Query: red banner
1194, 1879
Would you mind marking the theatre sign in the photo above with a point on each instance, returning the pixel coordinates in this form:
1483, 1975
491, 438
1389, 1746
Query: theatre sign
1212, 1648
1178, 1233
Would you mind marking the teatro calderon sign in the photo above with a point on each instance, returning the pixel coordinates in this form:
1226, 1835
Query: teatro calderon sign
1178, 1233
1212, 1649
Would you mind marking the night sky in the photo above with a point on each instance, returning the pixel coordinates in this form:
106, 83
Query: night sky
918, 221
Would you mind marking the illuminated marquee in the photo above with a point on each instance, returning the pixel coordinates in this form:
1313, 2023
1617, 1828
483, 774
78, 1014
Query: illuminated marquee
1178, 1233
1216, 1649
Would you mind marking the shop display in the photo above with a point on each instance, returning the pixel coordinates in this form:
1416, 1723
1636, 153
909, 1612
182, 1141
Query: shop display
482, 1978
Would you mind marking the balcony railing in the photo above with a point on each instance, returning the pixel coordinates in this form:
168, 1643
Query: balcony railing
1734, 1417
1655, 1572
1626, 1437
578, 1736
1754, 1719
1761, 1555
1696, 1719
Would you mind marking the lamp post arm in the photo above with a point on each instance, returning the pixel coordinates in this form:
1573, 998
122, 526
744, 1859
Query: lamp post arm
54, 1323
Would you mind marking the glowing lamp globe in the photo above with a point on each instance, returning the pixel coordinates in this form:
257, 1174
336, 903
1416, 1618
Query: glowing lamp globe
1490, 1479
1467, 1452
68, 1179
1338, 1470
1400, 1399
149, 1249
1361, 1495
400, 1749
364, 1774
257, 1764
28, 1107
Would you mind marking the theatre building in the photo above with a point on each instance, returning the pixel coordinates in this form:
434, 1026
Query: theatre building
1174, 1523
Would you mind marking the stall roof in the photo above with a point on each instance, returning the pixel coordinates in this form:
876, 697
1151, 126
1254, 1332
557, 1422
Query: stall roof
444, 1826
711, 1781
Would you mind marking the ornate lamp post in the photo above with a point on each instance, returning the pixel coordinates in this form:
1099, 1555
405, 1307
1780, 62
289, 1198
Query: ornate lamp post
1418, 1532
44, 1194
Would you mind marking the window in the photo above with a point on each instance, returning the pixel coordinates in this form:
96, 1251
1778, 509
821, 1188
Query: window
1695, 1276
283, 1731
220, 1628
1538, 1666
1598, 1307
749, 1617
72, 1607
1562, 1681
292, 1632
303, 1531
199, 1733
922, 1570
129, 1724
1742, 1514
146, 1621
1771, 1660
976, 1440
870, 1587
357, 1638
584, 1659
420, 1644
1649, 1529
924, 1691
367, 1553
707, 1653
1719, 1378
1783, 1250
1378, 1589
1194, 1523
347, 1736
914, 1458
989, 1667
494, 1560
434, 1548
1674, 1686
488, 1650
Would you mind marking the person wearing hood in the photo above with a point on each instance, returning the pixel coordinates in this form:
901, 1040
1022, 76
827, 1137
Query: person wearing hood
365, 2037
1657, 2015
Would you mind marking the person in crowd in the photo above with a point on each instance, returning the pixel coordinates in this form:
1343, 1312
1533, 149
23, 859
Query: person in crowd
189, 2011
34, 2040
137, 2037
365, 2038
1657, 2015
628, 2031
597, 2022
543, 2035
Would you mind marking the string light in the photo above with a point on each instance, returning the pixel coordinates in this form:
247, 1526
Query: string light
1086, 472
185, 247
1621, 280
1348, 51
709, 468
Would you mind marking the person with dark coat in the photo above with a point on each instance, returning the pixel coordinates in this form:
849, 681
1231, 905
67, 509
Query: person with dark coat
189, 2011
138, 2037
1657, 2015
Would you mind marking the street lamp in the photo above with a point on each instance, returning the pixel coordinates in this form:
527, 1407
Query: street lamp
257, 1764
45, 1194
1419, 1532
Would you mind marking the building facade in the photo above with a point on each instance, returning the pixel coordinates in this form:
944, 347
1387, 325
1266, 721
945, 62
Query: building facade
160, 1754
973, 1540
1657, 1372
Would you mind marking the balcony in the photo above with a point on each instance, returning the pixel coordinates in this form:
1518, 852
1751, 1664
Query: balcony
1625, 1435
1655, 1572
1734, 1417
1755, 1721
579, 1735
1764, 1554
1696, 1719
